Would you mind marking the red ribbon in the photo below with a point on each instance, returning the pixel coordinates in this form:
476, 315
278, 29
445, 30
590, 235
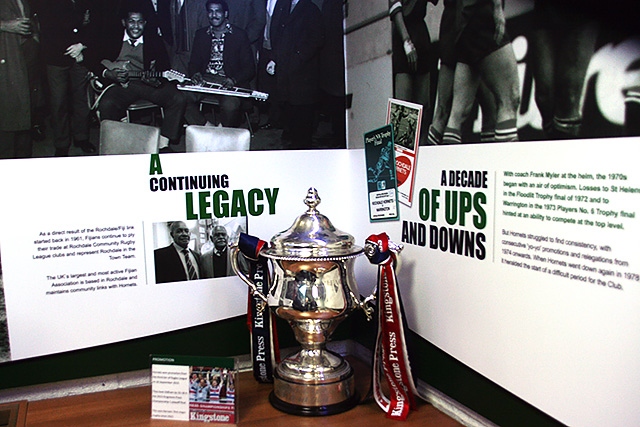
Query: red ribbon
391, 358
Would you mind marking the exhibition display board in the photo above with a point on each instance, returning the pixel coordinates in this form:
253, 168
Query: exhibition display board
92, 258
519, 259
517, 263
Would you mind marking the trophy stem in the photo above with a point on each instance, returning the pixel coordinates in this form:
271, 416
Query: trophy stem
313, 382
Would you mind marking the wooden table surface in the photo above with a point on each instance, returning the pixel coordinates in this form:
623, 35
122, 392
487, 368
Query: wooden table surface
132, 407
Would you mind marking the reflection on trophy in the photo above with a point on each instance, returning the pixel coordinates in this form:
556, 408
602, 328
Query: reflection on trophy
314, 289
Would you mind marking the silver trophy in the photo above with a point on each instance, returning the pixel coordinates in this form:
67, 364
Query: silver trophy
314, 289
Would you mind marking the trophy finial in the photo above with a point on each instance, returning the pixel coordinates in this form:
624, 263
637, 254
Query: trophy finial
312, 200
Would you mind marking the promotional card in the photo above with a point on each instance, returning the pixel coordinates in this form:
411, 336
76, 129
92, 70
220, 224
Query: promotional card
194, 389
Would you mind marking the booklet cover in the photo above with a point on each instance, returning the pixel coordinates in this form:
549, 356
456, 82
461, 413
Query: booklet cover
189, 388
381, 174
406, 119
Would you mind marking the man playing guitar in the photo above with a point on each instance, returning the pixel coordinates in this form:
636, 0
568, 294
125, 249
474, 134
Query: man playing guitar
136, 55
221, 55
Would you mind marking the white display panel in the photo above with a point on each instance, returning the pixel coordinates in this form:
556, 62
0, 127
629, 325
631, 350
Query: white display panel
77, 249
545, 303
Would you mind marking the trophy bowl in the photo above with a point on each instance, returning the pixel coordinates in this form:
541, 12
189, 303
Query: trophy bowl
313, 288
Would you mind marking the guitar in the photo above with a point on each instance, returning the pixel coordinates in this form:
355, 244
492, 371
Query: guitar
96, 87
146, 74
217, 89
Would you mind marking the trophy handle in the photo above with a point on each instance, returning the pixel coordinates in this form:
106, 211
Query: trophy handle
366, 305
235, 252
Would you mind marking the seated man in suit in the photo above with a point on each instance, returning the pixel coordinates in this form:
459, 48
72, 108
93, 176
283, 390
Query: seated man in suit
176, 262
221, 54
128, 56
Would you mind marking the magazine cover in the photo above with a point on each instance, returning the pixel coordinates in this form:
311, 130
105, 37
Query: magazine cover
381, 174
406, 119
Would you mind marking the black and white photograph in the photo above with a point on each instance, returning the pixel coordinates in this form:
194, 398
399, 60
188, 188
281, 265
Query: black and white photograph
86, 77
194, 249
519, 70
405, 118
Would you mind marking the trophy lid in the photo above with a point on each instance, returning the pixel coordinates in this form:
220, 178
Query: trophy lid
312, 236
